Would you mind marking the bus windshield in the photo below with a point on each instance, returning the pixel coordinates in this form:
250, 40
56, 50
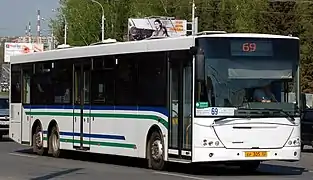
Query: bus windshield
248, 74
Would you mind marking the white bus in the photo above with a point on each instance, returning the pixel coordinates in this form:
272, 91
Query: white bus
186, 99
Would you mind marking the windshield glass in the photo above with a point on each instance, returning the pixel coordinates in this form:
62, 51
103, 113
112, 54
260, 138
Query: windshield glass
247, 74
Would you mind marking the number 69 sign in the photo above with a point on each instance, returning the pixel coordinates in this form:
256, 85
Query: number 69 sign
248, 47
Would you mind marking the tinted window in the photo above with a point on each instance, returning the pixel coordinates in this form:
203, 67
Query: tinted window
15, 83
103, 81
4, 103
152, 79
126, 79
52, 83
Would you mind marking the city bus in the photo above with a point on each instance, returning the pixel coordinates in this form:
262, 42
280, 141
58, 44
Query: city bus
208, 98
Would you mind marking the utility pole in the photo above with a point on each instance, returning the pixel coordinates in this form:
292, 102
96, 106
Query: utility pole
193, 25
102, 19
38, 27
29, 33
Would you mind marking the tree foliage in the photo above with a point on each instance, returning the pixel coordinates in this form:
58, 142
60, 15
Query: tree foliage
257, 16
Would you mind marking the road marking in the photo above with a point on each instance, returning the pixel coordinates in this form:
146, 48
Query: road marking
182, 176
23, 155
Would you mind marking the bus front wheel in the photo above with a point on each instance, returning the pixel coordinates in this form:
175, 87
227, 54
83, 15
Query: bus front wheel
156, 152
54, 142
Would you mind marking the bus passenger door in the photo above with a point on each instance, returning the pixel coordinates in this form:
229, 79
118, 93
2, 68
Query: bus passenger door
81, 110
180, 98
26, 117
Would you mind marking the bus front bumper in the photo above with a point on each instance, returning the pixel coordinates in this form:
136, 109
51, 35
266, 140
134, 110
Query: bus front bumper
222, 154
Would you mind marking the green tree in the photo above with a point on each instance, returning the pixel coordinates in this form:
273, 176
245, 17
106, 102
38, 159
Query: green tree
305, 13
230, 16
280, 18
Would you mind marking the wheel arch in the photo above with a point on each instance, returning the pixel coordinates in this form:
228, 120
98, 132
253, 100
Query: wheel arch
153, 128
52, 123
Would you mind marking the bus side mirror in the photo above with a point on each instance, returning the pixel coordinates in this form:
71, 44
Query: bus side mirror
200, 62
302, 101
200, 67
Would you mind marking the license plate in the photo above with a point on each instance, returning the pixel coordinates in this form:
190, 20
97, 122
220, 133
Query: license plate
256, 154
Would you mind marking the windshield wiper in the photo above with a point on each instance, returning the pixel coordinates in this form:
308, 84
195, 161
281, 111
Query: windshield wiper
220, 119
277, 110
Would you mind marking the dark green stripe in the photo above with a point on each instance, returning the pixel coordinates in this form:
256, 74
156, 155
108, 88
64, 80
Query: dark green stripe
133, 116
97, 143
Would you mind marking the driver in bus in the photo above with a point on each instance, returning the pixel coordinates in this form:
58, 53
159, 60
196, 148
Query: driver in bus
264, 94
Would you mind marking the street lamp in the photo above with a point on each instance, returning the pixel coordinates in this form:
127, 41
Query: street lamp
102, 19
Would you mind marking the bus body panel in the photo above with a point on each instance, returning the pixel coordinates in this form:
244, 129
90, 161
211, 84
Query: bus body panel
209, 146
15, 128
111, 131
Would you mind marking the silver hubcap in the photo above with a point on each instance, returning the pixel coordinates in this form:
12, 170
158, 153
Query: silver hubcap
157, 150
55, 142
38, 139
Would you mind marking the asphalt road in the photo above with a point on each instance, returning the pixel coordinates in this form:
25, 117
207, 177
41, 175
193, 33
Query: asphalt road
17, 163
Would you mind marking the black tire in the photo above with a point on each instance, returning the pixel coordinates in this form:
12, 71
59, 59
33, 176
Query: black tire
38, 141
155, 162
54, 142
249, 166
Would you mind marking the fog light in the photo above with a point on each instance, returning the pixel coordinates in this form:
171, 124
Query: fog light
295, 153
211, 154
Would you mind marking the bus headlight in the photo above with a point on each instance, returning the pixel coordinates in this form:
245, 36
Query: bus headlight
292, 142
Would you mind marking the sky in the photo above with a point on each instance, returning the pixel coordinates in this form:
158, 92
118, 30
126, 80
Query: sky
15, 15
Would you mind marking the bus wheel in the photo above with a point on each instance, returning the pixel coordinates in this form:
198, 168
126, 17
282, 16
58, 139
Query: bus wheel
54, 142
156, 152
38, 141
249, 166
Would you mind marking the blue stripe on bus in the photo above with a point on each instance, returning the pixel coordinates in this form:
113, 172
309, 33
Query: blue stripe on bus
161, 110
100, 136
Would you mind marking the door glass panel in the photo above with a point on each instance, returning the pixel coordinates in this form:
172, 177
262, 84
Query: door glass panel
77, 85
174, 108
187, 90
87, 87
26, 88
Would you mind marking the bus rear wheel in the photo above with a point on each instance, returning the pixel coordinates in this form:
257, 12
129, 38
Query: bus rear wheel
38, 141
156, 152
54, 142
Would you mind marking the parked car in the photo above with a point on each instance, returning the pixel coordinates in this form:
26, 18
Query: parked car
307, 128
4, 116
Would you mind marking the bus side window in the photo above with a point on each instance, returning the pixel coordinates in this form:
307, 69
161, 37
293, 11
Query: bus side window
103, 81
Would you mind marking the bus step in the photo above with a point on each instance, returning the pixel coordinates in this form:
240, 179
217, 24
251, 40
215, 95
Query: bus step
78, 148
179, 160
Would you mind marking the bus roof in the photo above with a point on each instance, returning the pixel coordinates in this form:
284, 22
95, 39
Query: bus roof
153, 45
250, 35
